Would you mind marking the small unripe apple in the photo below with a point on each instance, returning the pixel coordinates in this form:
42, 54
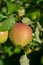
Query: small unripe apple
20, 34
3, 36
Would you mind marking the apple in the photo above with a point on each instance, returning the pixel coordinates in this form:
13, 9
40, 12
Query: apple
3, 36
20, 34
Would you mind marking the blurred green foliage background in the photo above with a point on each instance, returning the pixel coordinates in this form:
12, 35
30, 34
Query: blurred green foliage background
32, 10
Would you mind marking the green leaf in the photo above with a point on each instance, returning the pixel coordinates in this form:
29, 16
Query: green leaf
1, 62
2, 16
17, 50
8, 23
12, 7
42, 60
8, 50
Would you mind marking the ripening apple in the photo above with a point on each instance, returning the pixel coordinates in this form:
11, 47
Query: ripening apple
20, 34
3, 36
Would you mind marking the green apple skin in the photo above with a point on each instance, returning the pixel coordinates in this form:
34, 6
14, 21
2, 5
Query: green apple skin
3, 36
20, 34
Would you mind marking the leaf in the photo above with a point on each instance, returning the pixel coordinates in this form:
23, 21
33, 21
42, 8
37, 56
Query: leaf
2, 16
8, 50
12, 7
17, 50
8, 23
24, 60
1, 62
37, 32
27, 21
42, 60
